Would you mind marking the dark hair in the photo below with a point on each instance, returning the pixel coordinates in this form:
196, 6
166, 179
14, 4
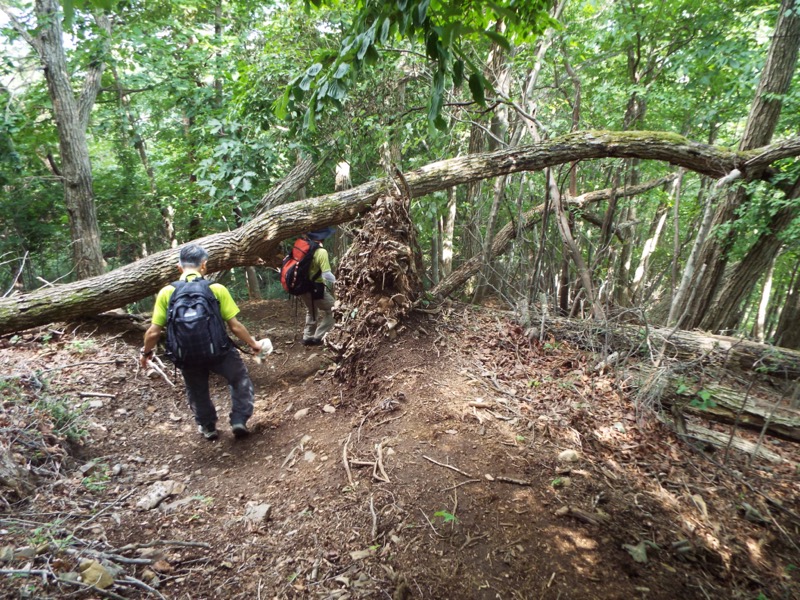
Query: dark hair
193, 255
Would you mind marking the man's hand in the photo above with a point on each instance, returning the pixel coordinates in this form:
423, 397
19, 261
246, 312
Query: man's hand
144, 357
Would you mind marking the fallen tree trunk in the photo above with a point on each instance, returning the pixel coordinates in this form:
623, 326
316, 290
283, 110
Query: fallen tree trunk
681, 346
260, 237
689, 353
732, 406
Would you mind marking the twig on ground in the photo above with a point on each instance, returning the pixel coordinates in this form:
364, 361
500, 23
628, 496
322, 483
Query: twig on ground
347, 463
156, 364
452, 468
511, 480
97, 514
431, 524
140, 584
374, 518
153, 543
452, 487
378, 472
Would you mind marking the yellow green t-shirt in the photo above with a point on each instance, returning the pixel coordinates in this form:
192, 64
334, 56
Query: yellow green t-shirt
320, 263
227, 307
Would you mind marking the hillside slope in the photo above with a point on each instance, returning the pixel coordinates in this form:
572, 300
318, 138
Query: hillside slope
464, 462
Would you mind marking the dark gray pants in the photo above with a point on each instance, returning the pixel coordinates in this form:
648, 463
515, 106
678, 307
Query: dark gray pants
233, 369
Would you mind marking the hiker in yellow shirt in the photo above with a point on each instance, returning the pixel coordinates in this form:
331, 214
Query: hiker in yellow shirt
225, 360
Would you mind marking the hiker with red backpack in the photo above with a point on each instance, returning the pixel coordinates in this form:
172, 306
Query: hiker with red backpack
194, 313
306, 273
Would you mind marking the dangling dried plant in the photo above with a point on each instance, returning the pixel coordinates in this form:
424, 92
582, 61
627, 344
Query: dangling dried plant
377, 283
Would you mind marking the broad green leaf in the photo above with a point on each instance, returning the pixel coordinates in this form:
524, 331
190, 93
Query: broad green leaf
422, 10
476, 86
342, 70
498, 39
385, 30
458, 73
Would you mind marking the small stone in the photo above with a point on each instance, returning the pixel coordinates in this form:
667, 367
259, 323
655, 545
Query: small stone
569, 456
95, 404
309, 456
255, 514
329, 409
163, 566
88, 468
489, 477
96, 575
6, 554
25, 552
301, 413
151, 409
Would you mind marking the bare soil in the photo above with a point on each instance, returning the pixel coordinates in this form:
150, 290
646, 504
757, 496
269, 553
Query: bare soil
454, 488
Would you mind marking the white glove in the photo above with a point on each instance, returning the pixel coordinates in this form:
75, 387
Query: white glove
266, 348
328, 276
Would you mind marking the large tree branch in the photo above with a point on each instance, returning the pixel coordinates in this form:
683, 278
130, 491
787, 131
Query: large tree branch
261, 236
94, 75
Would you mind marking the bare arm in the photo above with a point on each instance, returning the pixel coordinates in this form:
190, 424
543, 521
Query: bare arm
151, 337
241, 332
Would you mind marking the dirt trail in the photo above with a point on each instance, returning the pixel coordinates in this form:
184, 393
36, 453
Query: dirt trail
456, 489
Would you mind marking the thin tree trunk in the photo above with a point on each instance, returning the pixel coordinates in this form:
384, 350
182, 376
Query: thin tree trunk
787, 333
689, 270
761, 123
760, 327
448, 229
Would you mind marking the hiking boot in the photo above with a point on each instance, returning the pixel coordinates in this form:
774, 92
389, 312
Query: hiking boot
240, 430
208, 431
312, 342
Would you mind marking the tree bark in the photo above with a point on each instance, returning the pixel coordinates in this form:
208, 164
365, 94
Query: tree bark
787, 333
261, 236
71, 116
762, 120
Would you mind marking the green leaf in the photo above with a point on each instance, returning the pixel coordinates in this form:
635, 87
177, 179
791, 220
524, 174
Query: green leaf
431, 45
385, 30
422, 10
458, 73
365, 44
314, 70
69, 13
498, 39
401, 4
342, 70
280, 108
476, 87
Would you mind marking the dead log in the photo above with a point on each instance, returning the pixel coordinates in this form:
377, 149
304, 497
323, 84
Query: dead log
689, 353
749, 411
719, 351
260, 237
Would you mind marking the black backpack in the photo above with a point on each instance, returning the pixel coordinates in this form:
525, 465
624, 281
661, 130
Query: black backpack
196, 334
296, 278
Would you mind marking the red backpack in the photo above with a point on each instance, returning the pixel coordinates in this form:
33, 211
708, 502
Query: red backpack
295, 276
